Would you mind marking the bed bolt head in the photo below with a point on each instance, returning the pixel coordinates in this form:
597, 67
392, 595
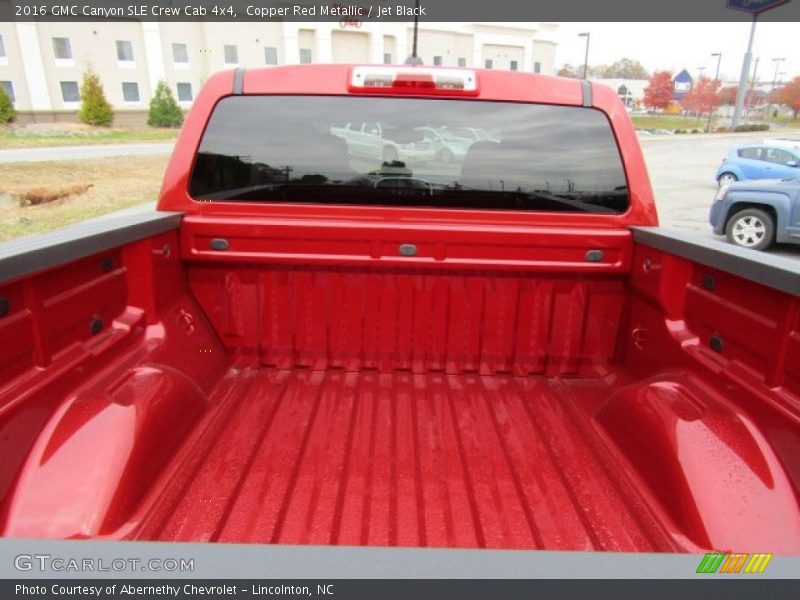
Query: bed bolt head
220, 244
96, 324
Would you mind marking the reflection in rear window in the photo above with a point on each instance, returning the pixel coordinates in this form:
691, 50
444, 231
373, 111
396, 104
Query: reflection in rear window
410, 152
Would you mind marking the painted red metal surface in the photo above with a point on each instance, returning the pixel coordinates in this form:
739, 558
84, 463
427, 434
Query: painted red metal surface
309, 385
481, 322
449, 246
363, 458
107, 360
170, 425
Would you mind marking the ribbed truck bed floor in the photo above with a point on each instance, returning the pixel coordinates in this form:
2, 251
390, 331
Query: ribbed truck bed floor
364, 458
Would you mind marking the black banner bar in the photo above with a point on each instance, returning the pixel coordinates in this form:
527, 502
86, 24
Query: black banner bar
367, 589
360, 11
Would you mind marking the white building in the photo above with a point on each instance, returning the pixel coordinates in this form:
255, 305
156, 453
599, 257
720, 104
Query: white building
41, 64
630, 91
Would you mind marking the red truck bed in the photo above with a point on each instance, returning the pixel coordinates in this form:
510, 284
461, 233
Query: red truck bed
305, 457
558, 407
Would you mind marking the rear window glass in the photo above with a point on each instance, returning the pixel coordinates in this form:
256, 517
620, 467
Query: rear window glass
410, 152
752, 153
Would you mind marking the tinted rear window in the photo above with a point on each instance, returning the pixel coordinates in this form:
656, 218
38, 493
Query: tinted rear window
752, 153
410, 152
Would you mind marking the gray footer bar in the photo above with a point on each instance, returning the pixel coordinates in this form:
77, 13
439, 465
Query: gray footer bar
61, 559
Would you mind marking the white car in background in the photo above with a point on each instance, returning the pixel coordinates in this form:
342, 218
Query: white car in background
374, 140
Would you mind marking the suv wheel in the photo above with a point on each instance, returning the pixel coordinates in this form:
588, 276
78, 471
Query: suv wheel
751, 228
727, 179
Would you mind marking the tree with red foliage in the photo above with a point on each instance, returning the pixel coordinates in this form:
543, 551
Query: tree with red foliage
660, 91
789, 95
727, 95
703, 97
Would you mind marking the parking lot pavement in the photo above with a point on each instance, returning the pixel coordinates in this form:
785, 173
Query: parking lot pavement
682, 170
13, 155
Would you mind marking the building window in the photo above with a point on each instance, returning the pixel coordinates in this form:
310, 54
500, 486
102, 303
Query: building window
130, 92
625, 95
488, 63
231, 54
124, 51
184, 92
9, 88
537, 67
62, 50
3, 55
437, 61
305, 55
70, 92
180, 54
270, 55
514, 65
462, 62
387, 58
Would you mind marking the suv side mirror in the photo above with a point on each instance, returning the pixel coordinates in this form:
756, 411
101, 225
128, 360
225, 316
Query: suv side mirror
791, 163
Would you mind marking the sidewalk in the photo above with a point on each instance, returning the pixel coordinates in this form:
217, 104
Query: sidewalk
14, 155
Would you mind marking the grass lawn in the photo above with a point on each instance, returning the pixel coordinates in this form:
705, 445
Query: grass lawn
668, 122
19, 138
115, 183
789, 121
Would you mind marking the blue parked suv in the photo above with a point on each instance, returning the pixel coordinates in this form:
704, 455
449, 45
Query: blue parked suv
754, 214
774, 159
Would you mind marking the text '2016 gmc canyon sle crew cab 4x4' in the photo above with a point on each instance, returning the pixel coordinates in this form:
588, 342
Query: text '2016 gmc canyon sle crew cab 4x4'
310, 345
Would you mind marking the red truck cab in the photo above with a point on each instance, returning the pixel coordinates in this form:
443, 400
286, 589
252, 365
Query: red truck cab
309, 344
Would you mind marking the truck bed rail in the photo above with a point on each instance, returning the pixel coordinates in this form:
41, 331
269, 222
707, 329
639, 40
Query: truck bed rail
761, 267
31, 254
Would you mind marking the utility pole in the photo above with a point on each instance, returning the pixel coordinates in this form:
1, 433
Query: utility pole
777, 62
414, 59
742, 89
716, 79
754, 7
755, 72
751, 94
587, 35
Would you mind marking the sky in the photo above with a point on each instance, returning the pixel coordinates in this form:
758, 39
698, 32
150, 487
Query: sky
675, 46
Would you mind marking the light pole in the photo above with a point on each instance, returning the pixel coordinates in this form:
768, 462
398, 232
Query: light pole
777, 62
587, 35
700, 70
742, 89
716, 79
413, 59
752, 87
